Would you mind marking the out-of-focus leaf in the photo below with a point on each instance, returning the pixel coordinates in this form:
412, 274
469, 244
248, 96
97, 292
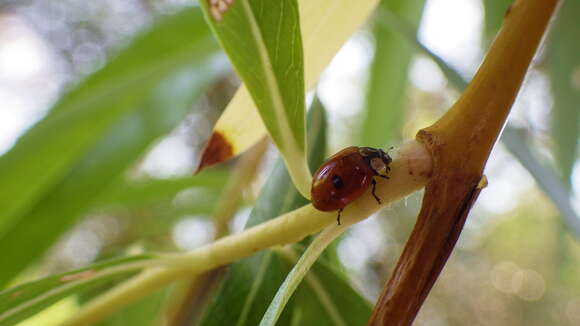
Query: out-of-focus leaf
326, 25
145, 312
548, 181
96, 132
24, 300
202, 203
42, 157
563, 68
247, 289
388, 75
149, 191
391, 20
156, 220
495, 10
250, 284
563, 56
327, 298
263, 41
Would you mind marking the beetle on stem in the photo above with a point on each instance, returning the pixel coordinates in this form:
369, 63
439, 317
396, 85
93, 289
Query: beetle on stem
346, 175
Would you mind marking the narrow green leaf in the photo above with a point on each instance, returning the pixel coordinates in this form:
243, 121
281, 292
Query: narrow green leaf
388, 75
203, 203
323, 35
264, 42
42, 157
548, 181
246, 290
148, 191
279, 195
298, 272
144, 312
161, 82
563, 57
250, 284
390, 20
24, 300
327, 298
153, 219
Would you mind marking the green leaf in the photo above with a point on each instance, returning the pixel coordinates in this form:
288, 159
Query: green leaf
388, 75
548, 181
300, 269
99, 129
327, 298
323, 36
144, 312
246, 291
391, 20
24, 300
143, 192
152, 219
263, 40
42, 157
564, 69
250, 284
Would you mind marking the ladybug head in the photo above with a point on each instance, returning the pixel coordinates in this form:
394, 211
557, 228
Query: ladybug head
378, 159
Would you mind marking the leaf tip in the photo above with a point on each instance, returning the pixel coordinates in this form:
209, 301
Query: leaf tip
217, 149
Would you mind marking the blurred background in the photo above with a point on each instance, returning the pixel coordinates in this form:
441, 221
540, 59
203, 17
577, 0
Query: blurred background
518, 259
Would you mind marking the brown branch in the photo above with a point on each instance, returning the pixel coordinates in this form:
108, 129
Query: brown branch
460, 144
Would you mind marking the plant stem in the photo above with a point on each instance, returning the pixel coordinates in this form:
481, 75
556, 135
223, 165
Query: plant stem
410, 170
460, 143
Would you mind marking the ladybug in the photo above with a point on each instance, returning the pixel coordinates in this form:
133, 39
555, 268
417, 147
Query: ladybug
346, 175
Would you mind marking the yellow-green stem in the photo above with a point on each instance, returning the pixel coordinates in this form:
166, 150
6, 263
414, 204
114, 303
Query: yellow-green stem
410, 170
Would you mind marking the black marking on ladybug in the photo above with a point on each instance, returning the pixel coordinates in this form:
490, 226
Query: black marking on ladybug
347, 175
337, 182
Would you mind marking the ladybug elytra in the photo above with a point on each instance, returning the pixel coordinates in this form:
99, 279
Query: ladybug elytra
346, 175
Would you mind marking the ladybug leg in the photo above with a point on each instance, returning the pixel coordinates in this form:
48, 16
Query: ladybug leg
338, 216
373, 191
388, 168
382, 175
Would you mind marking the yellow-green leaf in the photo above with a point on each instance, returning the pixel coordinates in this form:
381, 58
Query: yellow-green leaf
263, 40
326, 25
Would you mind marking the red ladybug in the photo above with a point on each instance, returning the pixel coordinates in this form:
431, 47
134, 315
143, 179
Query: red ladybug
346, 175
